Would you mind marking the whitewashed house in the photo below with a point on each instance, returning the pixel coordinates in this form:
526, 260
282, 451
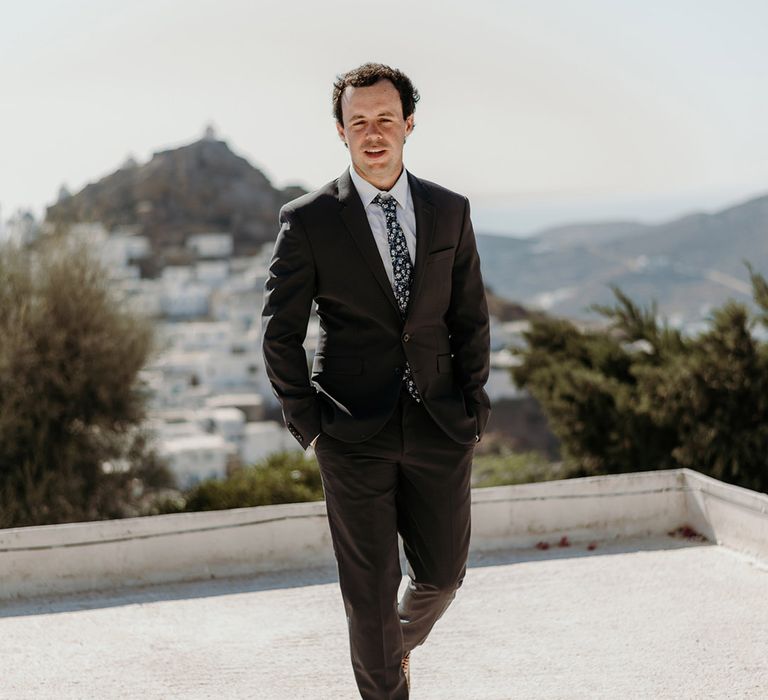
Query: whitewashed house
264, 438
229, 372
116, 251
251, 404
175, 275
188, 300
143, 296
194, 458
227, 422
211, 245
241, 307
212, 272
197, 335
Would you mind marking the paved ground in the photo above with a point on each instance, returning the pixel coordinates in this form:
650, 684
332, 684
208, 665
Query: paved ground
652, 618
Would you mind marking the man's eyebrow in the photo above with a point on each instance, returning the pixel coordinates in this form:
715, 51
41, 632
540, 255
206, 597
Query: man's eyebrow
385, 113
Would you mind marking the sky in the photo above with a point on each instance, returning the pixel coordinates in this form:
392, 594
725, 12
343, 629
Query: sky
541, 111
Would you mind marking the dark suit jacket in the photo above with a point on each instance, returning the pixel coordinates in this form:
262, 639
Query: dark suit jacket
325, 252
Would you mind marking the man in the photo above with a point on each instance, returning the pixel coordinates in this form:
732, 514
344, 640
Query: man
395, 402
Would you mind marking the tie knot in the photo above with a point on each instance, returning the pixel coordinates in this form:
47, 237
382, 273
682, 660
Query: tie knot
385, 201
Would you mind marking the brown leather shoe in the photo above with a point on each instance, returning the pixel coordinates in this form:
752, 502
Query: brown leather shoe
405, 664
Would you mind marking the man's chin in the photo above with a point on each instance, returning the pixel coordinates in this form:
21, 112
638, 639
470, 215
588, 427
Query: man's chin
379, 163
379, 171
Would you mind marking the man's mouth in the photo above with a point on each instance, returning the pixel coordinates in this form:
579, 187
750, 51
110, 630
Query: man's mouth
374, 152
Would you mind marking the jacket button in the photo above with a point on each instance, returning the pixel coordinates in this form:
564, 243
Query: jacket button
398, 371
406, 337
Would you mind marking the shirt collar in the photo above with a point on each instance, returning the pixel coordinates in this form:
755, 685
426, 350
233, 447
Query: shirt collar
400, 191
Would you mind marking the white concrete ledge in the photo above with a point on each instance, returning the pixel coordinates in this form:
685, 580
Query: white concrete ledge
100, 555
729, 515
617, 505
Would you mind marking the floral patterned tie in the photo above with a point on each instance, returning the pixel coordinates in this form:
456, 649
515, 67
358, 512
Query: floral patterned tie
402, 269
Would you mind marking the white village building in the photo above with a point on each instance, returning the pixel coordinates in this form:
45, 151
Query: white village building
195, 458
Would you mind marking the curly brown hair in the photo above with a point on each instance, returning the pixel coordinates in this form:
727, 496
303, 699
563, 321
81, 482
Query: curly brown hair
369, 74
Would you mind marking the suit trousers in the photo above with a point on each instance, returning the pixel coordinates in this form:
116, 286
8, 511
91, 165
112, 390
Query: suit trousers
411, 479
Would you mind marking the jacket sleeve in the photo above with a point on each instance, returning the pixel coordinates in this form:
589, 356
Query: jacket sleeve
468, 324
288, 295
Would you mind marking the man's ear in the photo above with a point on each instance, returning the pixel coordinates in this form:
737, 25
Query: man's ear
409, 124
340, 131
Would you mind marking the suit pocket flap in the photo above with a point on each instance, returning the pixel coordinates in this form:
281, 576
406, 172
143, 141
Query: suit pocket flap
337, 365
436, 255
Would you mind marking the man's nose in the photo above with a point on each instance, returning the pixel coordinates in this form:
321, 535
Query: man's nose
373, 131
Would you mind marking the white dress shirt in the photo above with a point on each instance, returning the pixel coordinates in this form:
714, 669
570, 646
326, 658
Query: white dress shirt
406, 216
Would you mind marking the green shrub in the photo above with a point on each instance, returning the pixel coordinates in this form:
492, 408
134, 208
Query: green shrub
284, 477
641, 396
70, 397
514, 468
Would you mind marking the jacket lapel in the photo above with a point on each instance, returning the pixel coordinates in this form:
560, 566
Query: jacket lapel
353, 215
425, 229
354, 218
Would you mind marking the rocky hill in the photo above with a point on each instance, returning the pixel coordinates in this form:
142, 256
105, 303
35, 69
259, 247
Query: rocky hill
200, 187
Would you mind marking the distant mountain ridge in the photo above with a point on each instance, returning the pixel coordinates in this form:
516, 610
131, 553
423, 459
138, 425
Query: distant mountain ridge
688, 265
196, 188
600, 231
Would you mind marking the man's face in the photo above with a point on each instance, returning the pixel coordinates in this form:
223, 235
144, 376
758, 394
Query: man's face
375, 131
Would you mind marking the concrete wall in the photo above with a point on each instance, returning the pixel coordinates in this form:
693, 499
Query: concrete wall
161, 548
185, 546
619, 505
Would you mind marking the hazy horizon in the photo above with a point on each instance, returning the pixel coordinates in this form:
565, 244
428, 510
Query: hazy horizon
527, 214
